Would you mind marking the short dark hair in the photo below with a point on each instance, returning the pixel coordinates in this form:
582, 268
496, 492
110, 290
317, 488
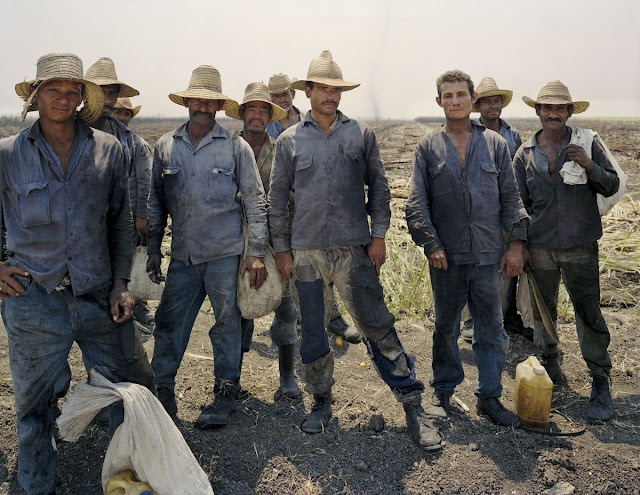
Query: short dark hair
309, 84
454, 76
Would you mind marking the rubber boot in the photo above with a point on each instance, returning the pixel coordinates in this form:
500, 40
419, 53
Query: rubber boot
217, 413
317, 420
600, 406
286, 360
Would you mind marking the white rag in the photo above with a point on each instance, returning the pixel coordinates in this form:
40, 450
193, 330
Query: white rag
571, 172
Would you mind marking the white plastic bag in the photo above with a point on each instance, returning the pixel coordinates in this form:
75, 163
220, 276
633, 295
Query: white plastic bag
140, 285
147, 442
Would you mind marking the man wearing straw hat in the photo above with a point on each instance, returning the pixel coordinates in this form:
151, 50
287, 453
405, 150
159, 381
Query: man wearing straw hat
124, 111
328, 159
70, 240
462, 195
256, 112
282, 95
198, 170
560, 170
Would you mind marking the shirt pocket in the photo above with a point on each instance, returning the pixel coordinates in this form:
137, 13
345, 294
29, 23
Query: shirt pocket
33, 201
489, 177
440, 180
220, 186
303, 162
171, 178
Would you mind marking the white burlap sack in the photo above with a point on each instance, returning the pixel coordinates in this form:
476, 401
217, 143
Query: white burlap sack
147, 442
140, 285
605, 204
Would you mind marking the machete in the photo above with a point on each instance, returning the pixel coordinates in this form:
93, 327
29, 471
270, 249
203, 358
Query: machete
542, 307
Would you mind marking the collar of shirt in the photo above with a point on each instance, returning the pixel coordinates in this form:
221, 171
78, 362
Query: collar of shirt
533, 142
340, 118
215, 132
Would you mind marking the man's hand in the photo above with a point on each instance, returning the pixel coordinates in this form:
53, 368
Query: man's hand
579, 155
438, 259
284, 262
257, 271
141, 227
9, 286
121, 301
512, 261
377, 252
153, 268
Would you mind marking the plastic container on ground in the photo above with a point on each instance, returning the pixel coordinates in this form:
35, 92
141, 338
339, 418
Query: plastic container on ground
533, 393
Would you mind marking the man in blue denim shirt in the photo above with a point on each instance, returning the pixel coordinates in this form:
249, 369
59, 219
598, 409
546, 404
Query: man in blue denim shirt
198, 171
329, 159
463, 193
70, 241
564, 232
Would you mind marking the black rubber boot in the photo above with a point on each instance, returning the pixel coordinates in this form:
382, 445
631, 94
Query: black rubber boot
167, 398
320, 415
286, 360
600, 406
421, 428
217, 413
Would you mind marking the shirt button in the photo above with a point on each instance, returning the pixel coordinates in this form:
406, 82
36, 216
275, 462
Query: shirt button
193, 174
189, 215
69, 258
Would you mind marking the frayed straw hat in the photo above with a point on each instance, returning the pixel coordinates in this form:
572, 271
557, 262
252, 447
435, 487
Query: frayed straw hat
556, 93
62, 66
258, 91
324, 70
103, 73
126, 104
488, 87
279, 83
205, 84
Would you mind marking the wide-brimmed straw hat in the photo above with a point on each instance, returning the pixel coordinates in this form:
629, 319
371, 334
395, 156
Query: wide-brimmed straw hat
257, 91
279, 83
126, 104
488, 87
324, 70
62, 66
103, 73
556, 93
205, 84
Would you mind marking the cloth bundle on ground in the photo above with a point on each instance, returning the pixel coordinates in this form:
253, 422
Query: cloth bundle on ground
147, 442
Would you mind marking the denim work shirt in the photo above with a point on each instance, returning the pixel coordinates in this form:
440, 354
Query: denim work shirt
329, 175
274, 128
562, 216
463, 210
199, 189
510, 134
81, 223
140, 177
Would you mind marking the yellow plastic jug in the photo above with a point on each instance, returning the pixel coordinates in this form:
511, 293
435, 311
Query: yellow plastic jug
533, 393
125, 483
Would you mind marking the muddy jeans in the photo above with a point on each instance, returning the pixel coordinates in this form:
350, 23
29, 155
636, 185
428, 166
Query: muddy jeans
354, 276
41, 329
481, 286
580, 274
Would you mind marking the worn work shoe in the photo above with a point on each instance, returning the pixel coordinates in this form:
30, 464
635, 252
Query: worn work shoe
493, 408
217, 413
338, 326
467, 331
317, 420
167, 398
551, 364
421, 428
600, 406
438, 406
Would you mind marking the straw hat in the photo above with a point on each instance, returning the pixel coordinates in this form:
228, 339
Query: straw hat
126, 104
258, 91
324, 70
103, 73
556, 93
279, 83
488, 87
62, 66
206, 84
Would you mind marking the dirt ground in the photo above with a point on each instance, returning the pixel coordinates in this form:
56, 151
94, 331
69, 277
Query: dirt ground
262, 450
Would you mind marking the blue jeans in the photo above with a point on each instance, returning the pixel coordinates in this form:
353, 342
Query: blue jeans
481, 286
183, 295
41, 329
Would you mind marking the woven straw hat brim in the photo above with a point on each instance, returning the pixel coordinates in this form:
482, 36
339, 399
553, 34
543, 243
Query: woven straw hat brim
338, 83
134, 110
505, 93
578, 106
279, 89
204, 94
126, 91
277, 113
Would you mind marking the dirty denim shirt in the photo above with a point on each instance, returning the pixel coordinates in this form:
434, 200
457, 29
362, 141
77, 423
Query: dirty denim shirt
140, 177
81, 223
199, 189
329, 175
562, 216
274, 129
510, 134
463, 210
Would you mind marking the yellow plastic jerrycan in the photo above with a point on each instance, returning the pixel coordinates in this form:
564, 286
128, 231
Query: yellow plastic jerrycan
125, 483
533, 393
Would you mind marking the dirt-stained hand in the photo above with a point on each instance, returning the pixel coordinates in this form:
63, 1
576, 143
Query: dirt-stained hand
257, 271
512, 261
438, 259
9, 286
526, 258
154, 269
141, 227
377, 252
121, 301
579, 155
284, 262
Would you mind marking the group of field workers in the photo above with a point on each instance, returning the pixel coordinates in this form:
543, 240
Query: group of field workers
80, 189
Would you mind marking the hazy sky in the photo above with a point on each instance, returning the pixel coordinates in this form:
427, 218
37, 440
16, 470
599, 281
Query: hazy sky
395, 49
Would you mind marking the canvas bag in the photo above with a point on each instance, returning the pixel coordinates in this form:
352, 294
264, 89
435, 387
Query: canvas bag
147, 442
140, 285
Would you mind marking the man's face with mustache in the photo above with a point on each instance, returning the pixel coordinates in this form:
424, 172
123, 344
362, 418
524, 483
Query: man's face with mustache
203, 112
553, 117
111, 93
324, 99
256, 115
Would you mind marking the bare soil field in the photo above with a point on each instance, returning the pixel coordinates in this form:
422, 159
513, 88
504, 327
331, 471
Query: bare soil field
263, 451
